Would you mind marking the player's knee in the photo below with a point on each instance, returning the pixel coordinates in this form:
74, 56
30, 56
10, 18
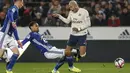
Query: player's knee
83, 55
68, 52
15, 51
16, 54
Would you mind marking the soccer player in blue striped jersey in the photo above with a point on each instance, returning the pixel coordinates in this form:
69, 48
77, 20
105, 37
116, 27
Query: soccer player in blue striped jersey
9, 29
49, 51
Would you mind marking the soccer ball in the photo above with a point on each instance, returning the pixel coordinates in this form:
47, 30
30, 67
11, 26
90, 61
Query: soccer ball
119, 62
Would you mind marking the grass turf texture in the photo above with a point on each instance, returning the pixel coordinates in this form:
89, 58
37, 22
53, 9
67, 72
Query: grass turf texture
85, 67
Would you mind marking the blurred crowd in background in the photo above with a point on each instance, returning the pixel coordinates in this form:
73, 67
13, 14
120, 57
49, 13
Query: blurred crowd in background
111, 13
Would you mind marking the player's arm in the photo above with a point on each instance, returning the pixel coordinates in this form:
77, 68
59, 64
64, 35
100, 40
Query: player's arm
11, 18
16, 34
65, 20
13, 23
17, 37
86, 20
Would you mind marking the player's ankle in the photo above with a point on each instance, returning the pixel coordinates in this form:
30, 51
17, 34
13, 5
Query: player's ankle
55, 70
70, 67
8, 69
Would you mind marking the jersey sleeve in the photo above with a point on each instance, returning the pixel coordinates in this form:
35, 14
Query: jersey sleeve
16, 34
27, 38
86, 20
66, 20
10, 14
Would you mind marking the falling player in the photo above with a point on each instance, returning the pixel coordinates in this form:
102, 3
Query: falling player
6, 34
46, 49
80, 21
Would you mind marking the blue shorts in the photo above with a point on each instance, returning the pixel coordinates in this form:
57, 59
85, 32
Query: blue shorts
77, 40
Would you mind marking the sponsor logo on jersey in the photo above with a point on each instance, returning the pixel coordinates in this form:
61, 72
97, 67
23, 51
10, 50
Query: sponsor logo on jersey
75, 20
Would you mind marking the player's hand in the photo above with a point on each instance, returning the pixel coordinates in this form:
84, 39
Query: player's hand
14, 24
20, 44
55, 15
75, 29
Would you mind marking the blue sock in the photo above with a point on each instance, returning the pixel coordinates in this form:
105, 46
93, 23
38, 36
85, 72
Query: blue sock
13, 59
70, 61
59, 64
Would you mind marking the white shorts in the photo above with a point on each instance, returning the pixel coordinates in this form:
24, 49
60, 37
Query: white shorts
8, 41
54, 53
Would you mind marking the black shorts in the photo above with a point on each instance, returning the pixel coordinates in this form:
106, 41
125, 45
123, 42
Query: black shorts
77, 40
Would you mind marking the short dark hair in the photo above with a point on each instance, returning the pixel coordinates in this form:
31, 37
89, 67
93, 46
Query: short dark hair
32, 23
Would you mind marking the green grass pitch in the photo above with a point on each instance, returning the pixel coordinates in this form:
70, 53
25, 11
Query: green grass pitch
85, 67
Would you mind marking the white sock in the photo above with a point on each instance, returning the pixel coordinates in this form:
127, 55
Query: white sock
74, 50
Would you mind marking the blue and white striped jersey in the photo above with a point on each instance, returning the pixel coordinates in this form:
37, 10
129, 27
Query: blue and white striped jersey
11, 16
36, 39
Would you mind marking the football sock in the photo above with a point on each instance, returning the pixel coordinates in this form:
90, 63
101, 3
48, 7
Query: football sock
13, 60
70, 61
59, 64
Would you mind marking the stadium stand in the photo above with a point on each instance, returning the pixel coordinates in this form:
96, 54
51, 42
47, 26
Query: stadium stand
112, 13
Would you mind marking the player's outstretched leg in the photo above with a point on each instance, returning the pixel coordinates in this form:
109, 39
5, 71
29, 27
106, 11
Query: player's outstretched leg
12, 61
58, 65
70, 63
